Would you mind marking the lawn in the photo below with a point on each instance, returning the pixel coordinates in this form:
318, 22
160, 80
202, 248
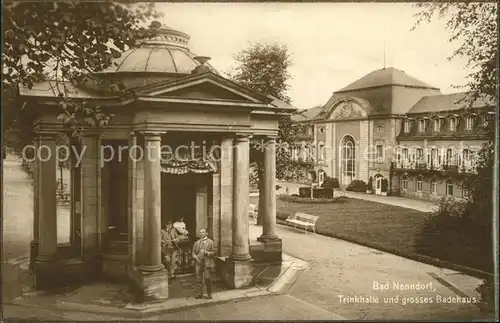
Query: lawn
377, 225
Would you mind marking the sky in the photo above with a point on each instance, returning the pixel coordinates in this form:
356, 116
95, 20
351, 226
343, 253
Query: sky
331, 44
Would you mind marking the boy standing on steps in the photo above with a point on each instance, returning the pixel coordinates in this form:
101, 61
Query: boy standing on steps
204, 255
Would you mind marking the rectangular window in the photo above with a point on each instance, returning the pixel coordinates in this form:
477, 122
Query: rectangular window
421, 125
404, 184
437, 124
419, 185
449, 188
433, 187
407, 126
380, 153
469, 124
465, 193
322, 152
453, 124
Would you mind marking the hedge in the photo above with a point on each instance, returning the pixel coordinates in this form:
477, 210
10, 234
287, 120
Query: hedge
300, 199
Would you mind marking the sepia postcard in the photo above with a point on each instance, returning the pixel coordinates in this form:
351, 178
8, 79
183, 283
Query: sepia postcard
250, 161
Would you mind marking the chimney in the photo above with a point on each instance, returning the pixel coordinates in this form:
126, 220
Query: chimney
202, 68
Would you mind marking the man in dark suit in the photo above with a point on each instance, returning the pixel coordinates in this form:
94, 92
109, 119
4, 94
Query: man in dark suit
204, 251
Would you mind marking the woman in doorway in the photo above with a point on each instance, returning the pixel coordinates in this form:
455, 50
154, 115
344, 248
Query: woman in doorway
180, 226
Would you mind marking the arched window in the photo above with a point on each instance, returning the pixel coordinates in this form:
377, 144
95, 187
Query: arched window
321, 176
434, 158
398, 157
348, 160
406, 157
466, 160
451, 157
420, 156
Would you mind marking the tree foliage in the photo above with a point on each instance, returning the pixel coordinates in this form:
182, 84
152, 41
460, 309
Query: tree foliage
64, 42
265, 69
473, 26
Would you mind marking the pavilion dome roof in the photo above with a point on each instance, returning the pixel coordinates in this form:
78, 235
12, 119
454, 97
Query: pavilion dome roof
167, 52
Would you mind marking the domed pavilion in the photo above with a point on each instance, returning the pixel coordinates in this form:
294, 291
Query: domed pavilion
177, 146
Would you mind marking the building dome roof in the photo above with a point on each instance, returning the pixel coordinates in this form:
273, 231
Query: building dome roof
386, 77
167, 52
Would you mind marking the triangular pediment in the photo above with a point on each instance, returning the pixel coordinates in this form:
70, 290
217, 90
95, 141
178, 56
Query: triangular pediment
206, 90
204, 86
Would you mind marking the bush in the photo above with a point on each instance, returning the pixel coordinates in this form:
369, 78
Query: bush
370, 183
318, 192
449, 234
330, 182
357, 186
299, 199
281, 216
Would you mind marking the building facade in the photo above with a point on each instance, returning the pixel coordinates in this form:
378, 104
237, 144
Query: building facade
357, 134
438, 142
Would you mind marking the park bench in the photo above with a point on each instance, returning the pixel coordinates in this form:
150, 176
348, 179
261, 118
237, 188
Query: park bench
303, 219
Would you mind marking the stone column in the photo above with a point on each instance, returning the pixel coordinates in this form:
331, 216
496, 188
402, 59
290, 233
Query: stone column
269, 196
47, 224
238, 269
36, 198
152, 203
132, 195
45, 271
226, 197
240, 248
91, 201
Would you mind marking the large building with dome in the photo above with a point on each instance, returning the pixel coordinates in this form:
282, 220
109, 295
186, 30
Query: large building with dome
161, 95
390, 125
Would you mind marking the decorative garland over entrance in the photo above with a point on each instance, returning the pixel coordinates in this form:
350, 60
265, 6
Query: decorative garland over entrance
191, 166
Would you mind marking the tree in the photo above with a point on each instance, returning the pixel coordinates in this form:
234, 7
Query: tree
264, 68
61, 42
474, 27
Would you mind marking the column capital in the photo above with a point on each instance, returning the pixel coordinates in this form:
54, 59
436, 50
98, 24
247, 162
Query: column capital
152, 135
271, 138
